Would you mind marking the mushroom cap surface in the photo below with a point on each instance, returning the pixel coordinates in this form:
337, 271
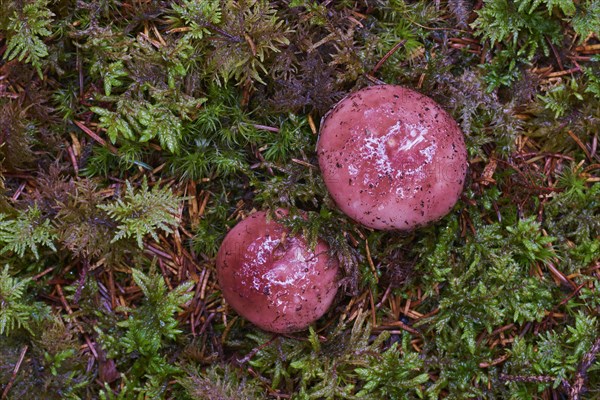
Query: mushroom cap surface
273, 278
392, 158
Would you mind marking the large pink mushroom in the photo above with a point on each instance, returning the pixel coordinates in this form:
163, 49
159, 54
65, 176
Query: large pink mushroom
392, 158
274, 279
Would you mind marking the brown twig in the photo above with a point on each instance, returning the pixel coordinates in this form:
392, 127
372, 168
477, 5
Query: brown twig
580, 144
15, 372
253, 352
95, 136
266, 128
81, 280
494, 362
19, 191
397, 324
67, 307
578, 387
386, 56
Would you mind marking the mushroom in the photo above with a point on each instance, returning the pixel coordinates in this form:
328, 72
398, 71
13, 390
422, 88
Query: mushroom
392, 158
273, 278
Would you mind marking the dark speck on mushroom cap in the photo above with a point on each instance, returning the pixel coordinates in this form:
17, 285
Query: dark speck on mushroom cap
392, 158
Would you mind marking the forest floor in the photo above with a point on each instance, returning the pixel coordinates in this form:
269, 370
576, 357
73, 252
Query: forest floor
134, 134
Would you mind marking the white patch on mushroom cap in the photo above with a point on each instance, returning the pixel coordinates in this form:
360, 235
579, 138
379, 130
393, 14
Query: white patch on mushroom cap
292, 268
416, 134
352, 170
400, 138
262, 249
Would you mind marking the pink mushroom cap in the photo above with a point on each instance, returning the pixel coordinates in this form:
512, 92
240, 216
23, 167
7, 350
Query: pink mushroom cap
273, 278
392, 158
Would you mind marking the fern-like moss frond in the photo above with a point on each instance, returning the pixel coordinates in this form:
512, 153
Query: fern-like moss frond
143, 212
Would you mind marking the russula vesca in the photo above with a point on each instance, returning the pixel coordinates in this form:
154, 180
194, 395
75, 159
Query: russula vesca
391, 157
273, 278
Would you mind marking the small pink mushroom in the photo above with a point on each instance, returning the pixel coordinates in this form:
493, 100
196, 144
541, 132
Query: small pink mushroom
273, 278
392, 158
